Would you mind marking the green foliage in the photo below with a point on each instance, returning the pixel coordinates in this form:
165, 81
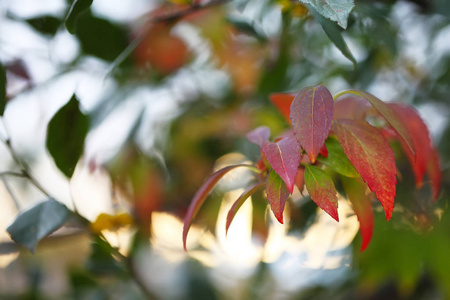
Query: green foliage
36, 223
47, 25
65, 136
100, 37
335, 35
335, 10
337, 160
78, 7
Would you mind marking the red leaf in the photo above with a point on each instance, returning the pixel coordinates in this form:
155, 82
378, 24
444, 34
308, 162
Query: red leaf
283, 101
324, 151
202, 193
259, 135
389, 115
321, 190
300, 179
434, 172
311, 115
356, 192
284, 157
420, 137
373, 158
277, 194
351, 107
236, 205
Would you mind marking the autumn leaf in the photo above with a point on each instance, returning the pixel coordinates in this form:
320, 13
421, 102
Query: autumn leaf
300, 179
420, 137
202, 193
321, 190
284, 157
356, 193
238, 203
311, 115
434, 172
259, 135
277, 194
373, 158
351, 107
283, 102
388, 114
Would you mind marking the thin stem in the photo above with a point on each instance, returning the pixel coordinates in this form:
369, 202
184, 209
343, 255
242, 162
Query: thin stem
11, 193
24, 168
11, 173
345, 92
129, 263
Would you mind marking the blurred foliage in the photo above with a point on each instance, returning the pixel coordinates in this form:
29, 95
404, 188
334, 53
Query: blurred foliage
407, 258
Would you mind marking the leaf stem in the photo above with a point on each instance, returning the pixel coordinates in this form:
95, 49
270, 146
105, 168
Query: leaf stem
345, 92
11, 193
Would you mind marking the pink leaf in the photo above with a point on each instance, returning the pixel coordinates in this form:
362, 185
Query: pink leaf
311, 115
202, 193
351, 107
284, 157
236, 205
321, 190
277, 194
373, 158
420, 137
259, 135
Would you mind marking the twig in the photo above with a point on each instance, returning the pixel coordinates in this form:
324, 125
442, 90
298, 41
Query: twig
11, 193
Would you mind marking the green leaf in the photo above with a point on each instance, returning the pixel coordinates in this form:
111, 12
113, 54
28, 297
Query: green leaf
47, 25
321, 190
36, 223
337, 160
2, 89
247, 27
334, 34
66, 133
335, 10
101, 38
77, 8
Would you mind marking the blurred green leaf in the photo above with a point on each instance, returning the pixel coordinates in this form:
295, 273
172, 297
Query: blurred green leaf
66, 133
334, 33
337, 160
77, 8
101, 38
335, 10
36, 223
247, 27
2, 89
47, 25
102, 261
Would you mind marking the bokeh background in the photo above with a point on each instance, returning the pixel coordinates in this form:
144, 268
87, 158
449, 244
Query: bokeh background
172, 100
